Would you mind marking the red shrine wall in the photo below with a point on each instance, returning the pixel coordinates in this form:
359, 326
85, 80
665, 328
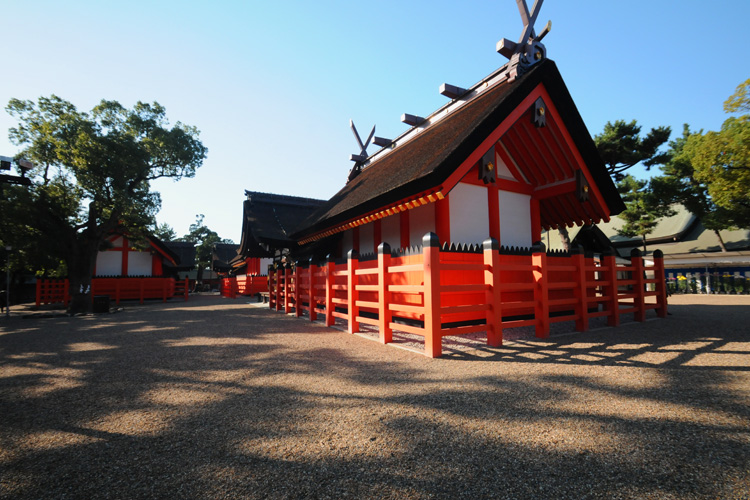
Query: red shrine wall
469, 214
121, 260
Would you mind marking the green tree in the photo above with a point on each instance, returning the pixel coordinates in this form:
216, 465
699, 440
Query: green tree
164, 232
93, 174
643, 208
722, 159
621, 146
680, 184
205, 239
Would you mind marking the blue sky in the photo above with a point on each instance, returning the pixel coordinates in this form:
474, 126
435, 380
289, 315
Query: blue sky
272, 85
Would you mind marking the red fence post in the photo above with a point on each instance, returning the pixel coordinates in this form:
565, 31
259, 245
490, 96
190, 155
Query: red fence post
636, 261
433, 340
352, 261
491, 251
581, 290
384, 296
287, 284
661, 287
330, 320
38, 292
541, 291
270, 286
297, 308
611, 289
312, 301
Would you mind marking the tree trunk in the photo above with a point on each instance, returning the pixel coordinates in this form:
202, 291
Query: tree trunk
81, 264
721, 240
564, 237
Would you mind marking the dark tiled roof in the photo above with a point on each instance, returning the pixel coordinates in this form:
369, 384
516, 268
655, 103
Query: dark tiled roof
428, 159
185, 253
270, 219
223, 253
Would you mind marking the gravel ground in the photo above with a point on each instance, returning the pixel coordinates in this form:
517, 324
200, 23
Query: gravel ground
217, 398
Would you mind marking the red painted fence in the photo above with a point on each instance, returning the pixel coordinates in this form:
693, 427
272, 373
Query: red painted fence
436, 293
50, 291
243, 285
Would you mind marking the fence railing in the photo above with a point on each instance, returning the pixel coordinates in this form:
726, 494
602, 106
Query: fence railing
55, 291
243, 285
434, 292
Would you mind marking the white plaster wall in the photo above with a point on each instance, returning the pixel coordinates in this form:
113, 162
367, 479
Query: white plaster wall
469, 218
367, 238
390, 230
139, 264
515, 219
109, 264
117, 242
421, 221
346, 242
264, 263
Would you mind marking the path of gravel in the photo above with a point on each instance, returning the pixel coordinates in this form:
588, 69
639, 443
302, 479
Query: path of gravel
216, 398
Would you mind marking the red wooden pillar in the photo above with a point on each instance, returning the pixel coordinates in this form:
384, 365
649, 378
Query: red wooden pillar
39, 292
639, 301
156, 265
610, 277
403, 224
432, 324
125, 249
443, 220
312, 302
661, 287
330, 320
541, 292
536, 220
297, 308
279, 287
491, 248
351, 289
287, 286
270, 287
384, 296
582, 305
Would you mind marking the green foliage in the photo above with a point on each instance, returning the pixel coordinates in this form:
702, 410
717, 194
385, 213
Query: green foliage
709, 172
621, 146
740, 100
643, 208
93, 172
164, 232
205, 239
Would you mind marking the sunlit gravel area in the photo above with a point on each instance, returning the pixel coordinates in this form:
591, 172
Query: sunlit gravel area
221, 398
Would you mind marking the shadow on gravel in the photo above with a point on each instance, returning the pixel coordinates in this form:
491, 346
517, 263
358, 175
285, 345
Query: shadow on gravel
192, 402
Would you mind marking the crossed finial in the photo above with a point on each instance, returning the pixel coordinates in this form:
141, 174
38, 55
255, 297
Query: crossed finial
360, 158
529, 50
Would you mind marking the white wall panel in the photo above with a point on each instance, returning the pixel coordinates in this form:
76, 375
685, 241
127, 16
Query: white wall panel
139, 264
515, 219
421, 221
469, 219
367, 238
346, 242
390, 230
109, 263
